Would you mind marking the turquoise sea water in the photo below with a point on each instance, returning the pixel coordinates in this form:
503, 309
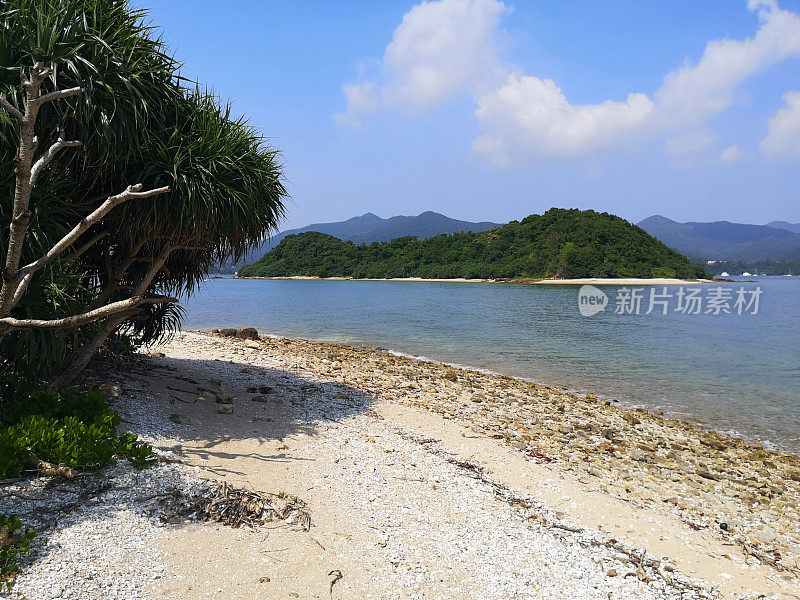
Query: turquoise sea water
736, 373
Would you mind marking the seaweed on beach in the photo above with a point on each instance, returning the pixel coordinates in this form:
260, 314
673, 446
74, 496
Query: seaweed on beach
236, 507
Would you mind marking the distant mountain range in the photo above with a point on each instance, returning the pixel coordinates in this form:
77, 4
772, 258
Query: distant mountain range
784, 225
370, 228
722, 240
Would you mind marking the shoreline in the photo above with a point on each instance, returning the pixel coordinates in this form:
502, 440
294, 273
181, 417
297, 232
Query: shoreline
579, 281
640, 442
422, 479
771, 445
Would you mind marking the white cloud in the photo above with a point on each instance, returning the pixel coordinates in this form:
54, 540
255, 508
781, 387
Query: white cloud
532, 116
440, 49
689, 144
730, 154
695, 92
361, 98
446, 47
783, 140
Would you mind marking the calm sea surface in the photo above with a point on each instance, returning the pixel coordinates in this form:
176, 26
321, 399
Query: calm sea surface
737, 373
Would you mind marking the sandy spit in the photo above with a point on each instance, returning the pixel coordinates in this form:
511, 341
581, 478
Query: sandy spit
585, 281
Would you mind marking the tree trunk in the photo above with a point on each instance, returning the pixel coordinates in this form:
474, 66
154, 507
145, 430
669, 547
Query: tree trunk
86, 352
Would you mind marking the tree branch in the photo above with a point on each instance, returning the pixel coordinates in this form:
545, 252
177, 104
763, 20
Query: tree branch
48, 156
75, 320
79, 252
160, 300
38, 74
11, 109
132, 192
57, 95
21, 289
115, 277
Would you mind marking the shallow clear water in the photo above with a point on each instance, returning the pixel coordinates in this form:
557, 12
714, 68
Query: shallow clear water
737, 373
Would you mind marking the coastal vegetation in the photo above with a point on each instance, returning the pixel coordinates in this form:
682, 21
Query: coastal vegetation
62, 434
561, 243
123, 184
15, 541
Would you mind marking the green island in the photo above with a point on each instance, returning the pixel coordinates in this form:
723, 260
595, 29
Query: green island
561, 243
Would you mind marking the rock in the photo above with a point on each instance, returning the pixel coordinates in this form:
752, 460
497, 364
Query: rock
793, 474
765, 535
227, 332
224, 400
225, 409
706, 474
208, 397
111, 390
259, 389
260, 399
631, 418
609, 433
714, 442
450, 375
612, 573
247, 333
252, 344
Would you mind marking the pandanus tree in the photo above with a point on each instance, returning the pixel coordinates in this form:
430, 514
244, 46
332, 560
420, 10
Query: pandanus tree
120, 187
226, 193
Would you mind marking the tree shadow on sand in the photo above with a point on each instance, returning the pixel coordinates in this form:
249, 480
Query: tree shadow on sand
174, 400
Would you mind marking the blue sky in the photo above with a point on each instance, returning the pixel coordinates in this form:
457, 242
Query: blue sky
488, 110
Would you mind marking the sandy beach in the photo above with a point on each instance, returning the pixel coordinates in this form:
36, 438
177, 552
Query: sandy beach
584, 281
422, 481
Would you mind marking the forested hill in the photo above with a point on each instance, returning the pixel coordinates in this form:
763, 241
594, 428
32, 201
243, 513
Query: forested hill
565, 243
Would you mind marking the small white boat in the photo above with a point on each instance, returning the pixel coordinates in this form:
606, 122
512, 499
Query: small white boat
746, 274
724, 274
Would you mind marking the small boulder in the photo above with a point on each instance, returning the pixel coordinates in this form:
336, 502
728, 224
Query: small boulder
259, 389
451, 375
111, 390
208, 397
227, 332
224, 400
225, 409
631, 418
793, 474
247, 333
